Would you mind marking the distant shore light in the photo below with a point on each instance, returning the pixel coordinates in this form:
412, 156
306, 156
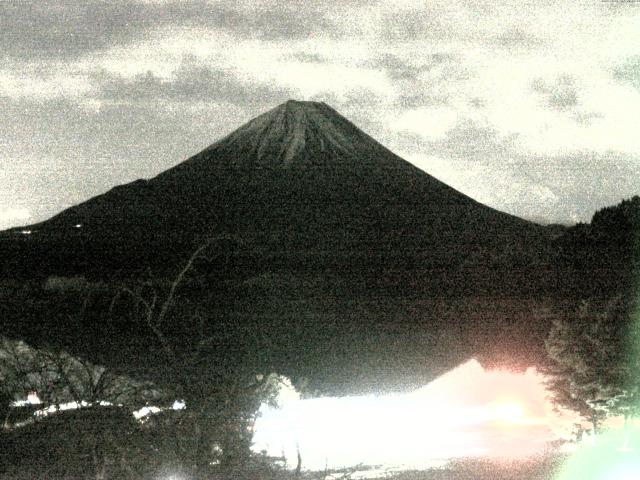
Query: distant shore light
33, 399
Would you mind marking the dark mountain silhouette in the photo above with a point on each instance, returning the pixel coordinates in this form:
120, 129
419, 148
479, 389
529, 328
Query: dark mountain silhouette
299, 183
327, 231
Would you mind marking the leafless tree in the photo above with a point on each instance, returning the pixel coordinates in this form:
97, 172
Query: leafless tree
63, 381
223, 387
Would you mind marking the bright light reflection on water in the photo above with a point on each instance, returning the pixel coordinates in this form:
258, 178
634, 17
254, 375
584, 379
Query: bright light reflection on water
467, 412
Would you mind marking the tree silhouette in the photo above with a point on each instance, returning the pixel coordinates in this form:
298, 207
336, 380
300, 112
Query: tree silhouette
594, 363
219, 367
81, 404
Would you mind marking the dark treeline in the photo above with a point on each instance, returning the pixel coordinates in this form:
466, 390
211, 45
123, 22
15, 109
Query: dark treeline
602, 258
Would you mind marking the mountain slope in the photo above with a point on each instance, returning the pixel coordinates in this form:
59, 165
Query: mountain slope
362, 270
299, 180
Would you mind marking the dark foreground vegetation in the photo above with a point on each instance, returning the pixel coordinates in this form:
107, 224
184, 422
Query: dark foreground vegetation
264, 468
219, 343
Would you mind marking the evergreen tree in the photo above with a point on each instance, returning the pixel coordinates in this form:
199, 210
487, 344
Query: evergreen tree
594, 362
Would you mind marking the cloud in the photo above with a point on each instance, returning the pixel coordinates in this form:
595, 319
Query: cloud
587, 118
473, 142
58, 153
424, 21
427, 122
477, 102
506, 25
422, 79
191, 81
629, 72
271, 20
560, 94
517, 37
399, 68
306, 57
45, 29
490, 92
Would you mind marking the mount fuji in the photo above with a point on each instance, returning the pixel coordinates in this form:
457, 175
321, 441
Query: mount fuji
360, 265
301, 186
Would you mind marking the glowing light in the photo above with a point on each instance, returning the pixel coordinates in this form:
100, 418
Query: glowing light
509, 412
174, 477
467, 412
605, 459
33, 398
624, 472
145, 411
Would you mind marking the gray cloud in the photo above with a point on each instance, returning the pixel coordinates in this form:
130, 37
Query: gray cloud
629, 72
473, 142
478, 102
399, 69
426, 79
466, 141
559, 95
306, 57
272, 20
562, 95
587, 118
426, 23
135, 127
582, 182
489, 23
563, 99
517, 38
421, 98
43, 29
192, 81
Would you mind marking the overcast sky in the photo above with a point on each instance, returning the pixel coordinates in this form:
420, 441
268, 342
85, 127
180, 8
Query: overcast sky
530, 107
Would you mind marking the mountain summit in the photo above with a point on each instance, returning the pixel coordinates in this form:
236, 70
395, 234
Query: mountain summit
295, 134
299, 135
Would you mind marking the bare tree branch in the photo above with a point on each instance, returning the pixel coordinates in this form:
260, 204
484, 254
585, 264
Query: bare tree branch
198, 254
